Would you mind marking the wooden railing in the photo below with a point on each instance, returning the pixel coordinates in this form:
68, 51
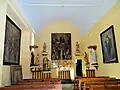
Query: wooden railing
37, 74
90, 73
63, 75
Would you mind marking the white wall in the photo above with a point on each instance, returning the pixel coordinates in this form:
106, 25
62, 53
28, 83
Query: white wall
3, 9
6, 8
25, 54
93, 38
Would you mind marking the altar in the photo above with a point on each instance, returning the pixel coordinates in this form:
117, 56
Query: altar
63, 74
53, 73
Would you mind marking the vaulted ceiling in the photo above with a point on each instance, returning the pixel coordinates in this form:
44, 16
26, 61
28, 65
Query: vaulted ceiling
82, 13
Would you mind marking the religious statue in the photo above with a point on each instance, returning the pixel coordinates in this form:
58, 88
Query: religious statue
44, 47
93, 56
46, 63
37, 60
77, 49
32, 59
86, 59
44, 52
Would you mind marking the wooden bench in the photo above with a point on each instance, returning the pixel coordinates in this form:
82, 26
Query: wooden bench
104, 86
80, 82
101, 84
34, 86
44, 79
30, 84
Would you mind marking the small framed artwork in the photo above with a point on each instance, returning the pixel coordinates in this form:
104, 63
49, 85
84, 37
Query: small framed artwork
109, 46
16, 74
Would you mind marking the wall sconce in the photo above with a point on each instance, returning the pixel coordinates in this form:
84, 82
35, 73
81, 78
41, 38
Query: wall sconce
93, 55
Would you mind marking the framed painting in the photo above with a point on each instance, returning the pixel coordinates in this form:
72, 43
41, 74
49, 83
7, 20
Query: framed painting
61, 46
12, 43
16, 74
109, 46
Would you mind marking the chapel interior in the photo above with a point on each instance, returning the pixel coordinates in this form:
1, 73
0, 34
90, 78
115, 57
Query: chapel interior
59, 44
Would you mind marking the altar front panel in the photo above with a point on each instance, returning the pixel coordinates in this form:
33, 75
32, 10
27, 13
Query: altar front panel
55, 73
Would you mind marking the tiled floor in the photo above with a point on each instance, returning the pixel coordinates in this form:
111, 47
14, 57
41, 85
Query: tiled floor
67, 86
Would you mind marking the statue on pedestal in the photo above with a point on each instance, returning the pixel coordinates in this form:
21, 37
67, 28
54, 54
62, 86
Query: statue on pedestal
44, 47
32, 59
32, 54
44, 52
77, 53
37, 60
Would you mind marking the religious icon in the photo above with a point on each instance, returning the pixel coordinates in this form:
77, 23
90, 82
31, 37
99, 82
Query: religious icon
109, 48
93, 56
61, 46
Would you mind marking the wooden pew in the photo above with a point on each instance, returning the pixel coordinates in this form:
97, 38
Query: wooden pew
40, 80
81, 81
100, 85
97, 82
30, 84
35, 86
112, 88
44, 79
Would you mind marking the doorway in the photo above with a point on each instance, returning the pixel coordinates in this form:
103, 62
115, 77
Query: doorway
79, 67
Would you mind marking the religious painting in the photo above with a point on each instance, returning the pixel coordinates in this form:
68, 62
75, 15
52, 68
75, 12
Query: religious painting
12, 43
16, 74
61, 46
109, 46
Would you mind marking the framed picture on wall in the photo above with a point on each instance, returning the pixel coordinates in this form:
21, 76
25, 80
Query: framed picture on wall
109, 46
61, 46
12, 43
16, 74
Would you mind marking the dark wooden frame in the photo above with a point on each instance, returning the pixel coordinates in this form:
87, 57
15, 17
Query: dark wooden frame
12, 43
108, 55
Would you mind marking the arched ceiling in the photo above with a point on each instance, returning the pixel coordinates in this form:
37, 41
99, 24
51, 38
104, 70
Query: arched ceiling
82, 13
